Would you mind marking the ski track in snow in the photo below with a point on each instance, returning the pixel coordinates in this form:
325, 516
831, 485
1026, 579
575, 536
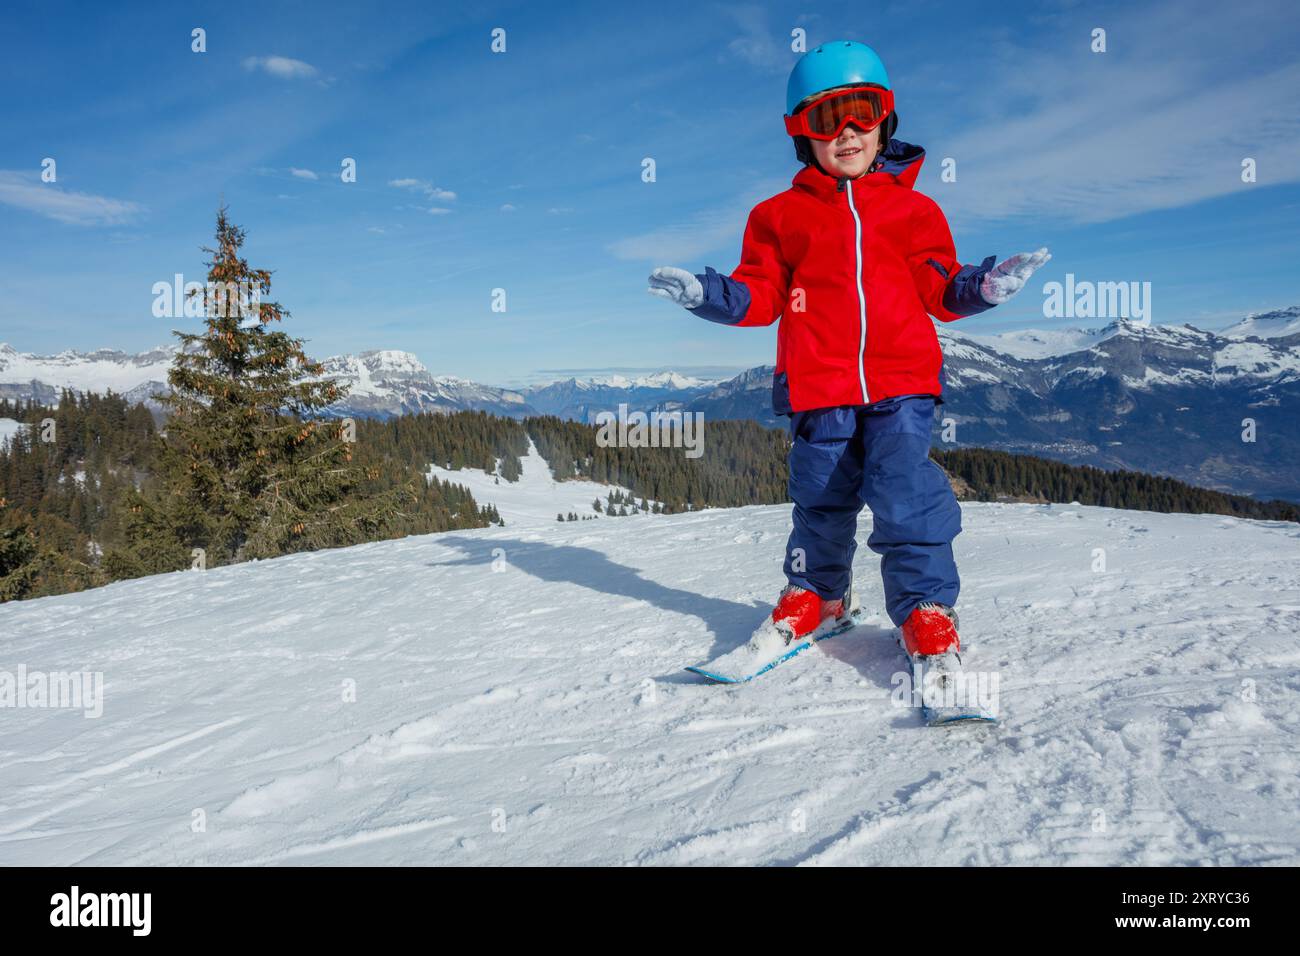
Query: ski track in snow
538, 713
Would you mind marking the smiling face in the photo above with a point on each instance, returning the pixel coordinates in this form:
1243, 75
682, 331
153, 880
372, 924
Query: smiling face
849, 154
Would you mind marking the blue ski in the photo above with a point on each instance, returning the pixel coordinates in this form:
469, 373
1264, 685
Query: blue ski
944, 691
757, 664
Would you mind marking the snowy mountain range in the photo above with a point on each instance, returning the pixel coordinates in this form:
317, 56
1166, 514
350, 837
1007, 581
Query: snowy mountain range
1164, 399
1215, 409
386, 383
583, 399
381, 383
515, 696
43, 377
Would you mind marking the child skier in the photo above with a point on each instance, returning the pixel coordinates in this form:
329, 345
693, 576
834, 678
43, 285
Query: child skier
851, 259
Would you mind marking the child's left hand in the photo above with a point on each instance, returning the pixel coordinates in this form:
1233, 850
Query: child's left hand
1007, 278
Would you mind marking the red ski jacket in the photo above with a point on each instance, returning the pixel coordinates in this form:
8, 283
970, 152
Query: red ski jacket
853, 269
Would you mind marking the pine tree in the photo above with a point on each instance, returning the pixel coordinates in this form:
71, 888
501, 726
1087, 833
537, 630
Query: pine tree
244, 469
18, 567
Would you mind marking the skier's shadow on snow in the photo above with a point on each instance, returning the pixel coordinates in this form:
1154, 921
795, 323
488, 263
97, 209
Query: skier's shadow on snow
730, 621
870, 648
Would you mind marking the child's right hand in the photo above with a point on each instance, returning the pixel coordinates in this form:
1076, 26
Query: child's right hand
677, 285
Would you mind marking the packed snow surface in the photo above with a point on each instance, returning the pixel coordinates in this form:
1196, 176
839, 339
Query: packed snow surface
516, 696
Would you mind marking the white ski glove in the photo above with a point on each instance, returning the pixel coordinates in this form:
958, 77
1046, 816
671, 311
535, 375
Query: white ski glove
1005, 279
678, 286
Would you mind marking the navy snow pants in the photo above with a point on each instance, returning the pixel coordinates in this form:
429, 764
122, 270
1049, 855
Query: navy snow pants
876, 455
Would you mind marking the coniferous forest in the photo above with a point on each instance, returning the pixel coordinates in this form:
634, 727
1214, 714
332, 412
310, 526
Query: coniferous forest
1000, 476
87, 505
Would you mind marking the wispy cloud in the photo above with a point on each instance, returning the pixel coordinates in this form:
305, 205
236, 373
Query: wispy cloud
26, 191
709, 230
1143, 127
282, 67
755, 43
424, 188
302, 173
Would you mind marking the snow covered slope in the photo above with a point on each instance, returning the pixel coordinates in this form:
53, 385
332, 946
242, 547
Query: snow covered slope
520, 699
9, 428
1279, 323
536, 498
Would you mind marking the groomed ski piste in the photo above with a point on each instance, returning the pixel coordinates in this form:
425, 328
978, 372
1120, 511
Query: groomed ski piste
536, 496
520, 698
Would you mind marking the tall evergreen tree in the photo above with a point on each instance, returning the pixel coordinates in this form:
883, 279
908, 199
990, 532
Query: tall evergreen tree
244, 469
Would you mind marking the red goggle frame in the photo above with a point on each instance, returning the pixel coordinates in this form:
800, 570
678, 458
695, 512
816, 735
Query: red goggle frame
826, 118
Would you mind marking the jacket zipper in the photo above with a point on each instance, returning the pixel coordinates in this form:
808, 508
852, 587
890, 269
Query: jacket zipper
862, 298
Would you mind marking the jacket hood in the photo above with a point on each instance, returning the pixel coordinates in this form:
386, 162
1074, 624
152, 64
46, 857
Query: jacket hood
899, 163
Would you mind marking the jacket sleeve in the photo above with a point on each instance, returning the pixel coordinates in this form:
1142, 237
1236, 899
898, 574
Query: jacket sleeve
757, 292
949, 290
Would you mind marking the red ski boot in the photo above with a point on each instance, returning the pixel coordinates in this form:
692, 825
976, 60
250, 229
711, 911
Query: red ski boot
930, 630
945, 693
799, 612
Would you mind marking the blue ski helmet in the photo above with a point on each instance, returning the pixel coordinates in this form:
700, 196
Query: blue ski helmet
839, 63
824, 67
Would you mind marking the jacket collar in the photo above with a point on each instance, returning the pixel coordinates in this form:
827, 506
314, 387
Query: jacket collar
899, 163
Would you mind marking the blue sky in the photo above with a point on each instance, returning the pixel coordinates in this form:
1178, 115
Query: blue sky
1126, 163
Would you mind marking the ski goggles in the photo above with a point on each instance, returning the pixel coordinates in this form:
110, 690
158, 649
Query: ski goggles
826, 118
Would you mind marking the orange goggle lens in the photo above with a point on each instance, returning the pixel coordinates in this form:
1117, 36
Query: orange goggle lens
827, 117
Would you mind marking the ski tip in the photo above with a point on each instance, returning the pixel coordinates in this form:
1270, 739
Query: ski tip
713, 678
